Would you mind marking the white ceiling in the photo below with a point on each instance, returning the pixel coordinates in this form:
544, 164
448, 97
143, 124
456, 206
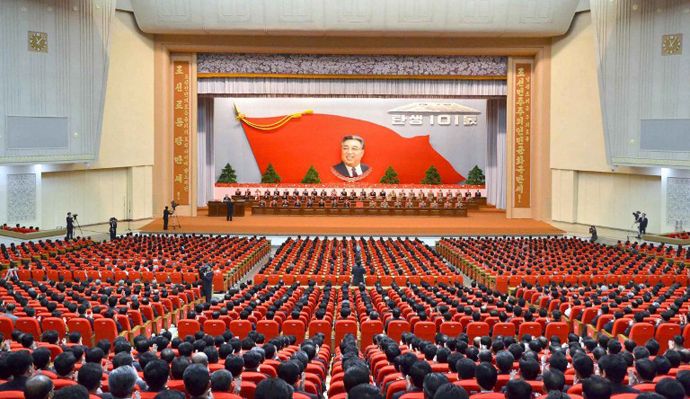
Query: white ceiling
452, 18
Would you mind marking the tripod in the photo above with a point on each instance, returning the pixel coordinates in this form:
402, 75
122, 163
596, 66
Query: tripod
10, 273
639, 233
175, 221
78, 226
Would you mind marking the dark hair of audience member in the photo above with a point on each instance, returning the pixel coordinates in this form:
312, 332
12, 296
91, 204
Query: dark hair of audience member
221, 381
196, 380
90, 375
596, 387
670, 388
518, 389
432, 382
273, 388
365, 391
72, 392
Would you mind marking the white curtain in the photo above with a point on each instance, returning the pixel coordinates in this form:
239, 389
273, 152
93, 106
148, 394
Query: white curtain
206, 162
496, 152
352, 87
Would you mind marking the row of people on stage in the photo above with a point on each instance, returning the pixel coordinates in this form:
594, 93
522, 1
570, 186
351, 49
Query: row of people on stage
410, 194
312, 202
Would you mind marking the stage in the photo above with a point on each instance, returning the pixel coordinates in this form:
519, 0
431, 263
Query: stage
484, 222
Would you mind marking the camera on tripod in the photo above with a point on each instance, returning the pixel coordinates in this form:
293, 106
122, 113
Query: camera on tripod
637, 215
173, 205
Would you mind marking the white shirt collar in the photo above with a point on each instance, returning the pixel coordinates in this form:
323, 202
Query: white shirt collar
358, 168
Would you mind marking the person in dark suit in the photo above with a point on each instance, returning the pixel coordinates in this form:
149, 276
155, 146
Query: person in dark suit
206, 277
166, 216
113, 228
351, 153
643, 224
593, 232
70, 226
230, 207
358, 274
22, 369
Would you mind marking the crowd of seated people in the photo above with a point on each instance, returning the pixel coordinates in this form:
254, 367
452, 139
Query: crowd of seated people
363, 195
40, 248
564, 256
163, 258
200, 365
337, 257
20, 229
197, 366
273, 341
380, 199
628, 310
683, 235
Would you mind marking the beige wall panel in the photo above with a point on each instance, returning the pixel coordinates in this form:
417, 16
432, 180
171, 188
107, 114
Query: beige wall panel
96, 195
556, 205
127, 138
607, 199
577, 133
141, 192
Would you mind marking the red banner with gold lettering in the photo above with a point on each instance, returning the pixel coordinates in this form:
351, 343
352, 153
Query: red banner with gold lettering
523, 129
181, 120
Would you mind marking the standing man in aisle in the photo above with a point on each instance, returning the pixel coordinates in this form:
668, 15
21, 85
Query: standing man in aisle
166, 215
113, 228
358, 274
206, 277
70, 227
230, 207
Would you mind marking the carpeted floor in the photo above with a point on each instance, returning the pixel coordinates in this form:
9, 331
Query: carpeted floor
477, 223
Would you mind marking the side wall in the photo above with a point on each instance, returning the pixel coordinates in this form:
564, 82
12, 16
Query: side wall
585, 190
119, 183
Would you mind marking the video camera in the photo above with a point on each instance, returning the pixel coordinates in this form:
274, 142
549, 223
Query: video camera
637, 214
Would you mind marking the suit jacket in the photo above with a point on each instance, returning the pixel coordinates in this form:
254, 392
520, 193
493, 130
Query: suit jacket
621, 388
342, 168
17, 384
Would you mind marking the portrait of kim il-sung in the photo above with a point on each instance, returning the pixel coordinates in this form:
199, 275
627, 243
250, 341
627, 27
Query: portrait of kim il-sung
351, 167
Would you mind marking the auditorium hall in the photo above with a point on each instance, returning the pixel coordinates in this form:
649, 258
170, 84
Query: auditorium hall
333, 199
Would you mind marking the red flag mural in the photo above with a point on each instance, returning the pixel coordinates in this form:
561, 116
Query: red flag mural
315, 139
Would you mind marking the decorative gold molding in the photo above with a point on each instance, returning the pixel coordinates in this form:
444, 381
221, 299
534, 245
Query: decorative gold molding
647, 162
48, 158
298, 76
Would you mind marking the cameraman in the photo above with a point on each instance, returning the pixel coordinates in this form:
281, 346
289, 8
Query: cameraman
643, 224
70, 226
166, 216
593, 232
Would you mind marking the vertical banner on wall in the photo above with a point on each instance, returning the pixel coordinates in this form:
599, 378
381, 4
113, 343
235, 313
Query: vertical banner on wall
181, 122
523, 129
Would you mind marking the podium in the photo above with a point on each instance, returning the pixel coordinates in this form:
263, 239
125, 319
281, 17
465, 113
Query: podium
219, 208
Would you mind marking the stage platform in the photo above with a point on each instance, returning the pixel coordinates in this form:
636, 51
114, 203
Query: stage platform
491, 222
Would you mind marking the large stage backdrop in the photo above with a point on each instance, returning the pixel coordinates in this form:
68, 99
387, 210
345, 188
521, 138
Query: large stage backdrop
409, 135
